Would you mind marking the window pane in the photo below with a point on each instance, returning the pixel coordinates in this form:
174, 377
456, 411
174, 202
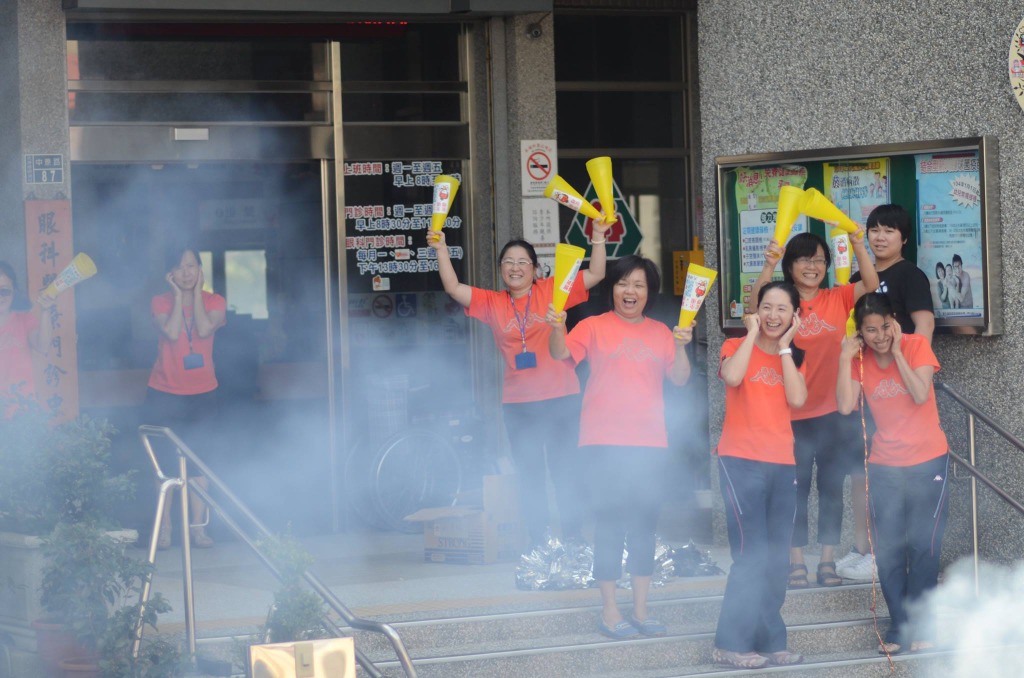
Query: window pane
245, 273
620, 120
387, 107
92, 107
630, 48
416, 53
141, 59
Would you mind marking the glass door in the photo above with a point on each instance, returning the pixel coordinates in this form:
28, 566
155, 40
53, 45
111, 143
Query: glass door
259, 229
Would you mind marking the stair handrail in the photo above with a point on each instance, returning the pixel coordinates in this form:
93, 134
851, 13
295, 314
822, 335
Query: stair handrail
974, 412
185, 454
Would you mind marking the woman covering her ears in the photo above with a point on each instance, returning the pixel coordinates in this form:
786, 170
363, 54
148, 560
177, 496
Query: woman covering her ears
909, 462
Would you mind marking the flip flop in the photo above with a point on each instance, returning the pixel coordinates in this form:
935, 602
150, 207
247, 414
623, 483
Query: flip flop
620, 631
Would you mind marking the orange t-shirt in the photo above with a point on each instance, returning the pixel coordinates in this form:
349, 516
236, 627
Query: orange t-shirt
908, 433
169, 374
16, 355
822, 328
550, 378
624, 402
757, 414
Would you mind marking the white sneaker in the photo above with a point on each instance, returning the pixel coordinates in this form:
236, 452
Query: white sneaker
862, 568
847, 560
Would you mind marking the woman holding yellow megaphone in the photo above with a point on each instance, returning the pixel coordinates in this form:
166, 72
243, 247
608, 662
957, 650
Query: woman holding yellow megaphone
622, 430
540, 395
21, 334
823, 436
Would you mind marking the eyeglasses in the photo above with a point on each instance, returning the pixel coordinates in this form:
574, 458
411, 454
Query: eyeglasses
6, 292
521, 263
807, 261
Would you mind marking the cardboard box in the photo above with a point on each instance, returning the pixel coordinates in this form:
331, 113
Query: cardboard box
482, 527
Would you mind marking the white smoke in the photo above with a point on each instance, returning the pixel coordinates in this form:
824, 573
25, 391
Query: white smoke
984, 631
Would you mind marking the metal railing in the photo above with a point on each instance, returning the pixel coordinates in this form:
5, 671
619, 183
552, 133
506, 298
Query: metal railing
974, 413
182, 482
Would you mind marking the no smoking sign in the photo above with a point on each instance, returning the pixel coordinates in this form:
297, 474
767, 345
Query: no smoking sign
539, 164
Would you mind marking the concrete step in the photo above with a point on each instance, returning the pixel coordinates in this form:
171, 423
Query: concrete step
683, 615
584, 655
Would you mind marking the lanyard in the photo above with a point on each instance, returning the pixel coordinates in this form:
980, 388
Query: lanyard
521, 322
188, 328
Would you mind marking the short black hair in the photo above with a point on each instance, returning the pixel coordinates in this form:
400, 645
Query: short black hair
530, 252
803, 245
174, 257
893, 216
621, 268
794, 297
872, 303
958, 260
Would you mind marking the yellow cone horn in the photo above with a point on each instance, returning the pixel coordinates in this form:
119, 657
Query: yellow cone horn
445, 188
698, 283
568, 259
81, 268
851, 325
559, 190
791, 199
818, 206
600, 171
839, 241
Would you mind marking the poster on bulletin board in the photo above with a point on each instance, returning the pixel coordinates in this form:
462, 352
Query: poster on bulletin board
950, 187
949, 214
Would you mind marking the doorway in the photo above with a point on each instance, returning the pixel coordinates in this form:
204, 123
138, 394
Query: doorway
258, 228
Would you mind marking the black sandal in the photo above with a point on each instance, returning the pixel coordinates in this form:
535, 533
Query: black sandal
798, 576
827, 574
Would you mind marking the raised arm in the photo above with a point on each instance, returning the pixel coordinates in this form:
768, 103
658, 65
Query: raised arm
868, 275
556, 340
917, 380
458, 291
734, 368
170, 323
772, 256
792, 381
847, 389
39, 340
680, 372
207, 322
598, 255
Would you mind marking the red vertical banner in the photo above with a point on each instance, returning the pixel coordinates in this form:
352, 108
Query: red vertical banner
50, 247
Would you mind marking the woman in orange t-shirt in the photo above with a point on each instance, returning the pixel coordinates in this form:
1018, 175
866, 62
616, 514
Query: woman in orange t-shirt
622, 430
764, 381
909, 463
540, 396
182, 385
823, 437
21, 333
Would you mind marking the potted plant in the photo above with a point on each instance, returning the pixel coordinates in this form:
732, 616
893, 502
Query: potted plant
91, 587
297, 613
56, 486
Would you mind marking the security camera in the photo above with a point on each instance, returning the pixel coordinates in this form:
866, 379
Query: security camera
534, 31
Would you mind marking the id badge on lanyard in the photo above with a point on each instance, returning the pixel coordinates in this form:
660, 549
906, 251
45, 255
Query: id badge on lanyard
525, 359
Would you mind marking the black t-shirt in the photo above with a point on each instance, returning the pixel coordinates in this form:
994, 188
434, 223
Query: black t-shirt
908, 290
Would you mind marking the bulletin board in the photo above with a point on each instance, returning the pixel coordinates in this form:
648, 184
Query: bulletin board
949, 187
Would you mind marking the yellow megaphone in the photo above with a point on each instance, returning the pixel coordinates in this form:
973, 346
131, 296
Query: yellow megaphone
81, 268
568, 259
791, 199
698, 283
839, 240
600, 171
818, 206
445, 188
559, 190
851, 325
